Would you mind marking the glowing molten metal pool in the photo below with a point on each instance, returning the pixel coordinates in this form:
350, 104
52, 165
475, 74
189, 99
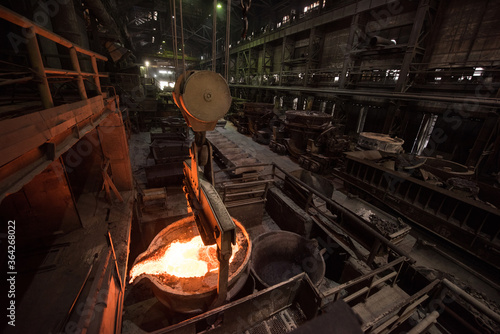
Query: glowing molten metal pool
183, 272
187, 258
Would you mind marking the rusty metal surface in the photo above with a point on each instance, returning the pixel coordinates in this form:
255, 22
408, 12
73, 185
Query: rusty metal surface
446, 169
307, 119
381, 142
258, 116
312, 139
231, 155
165, 151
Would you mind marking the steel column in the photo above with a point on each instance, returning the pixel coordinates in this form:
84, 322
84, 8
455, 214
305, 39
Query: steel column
348, 47
418, 24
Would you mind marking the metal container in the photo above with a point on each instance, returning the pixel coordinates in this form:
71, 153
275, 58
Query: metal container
302, 126
280, 255
446, 169
173, 296
258, 115
381, 142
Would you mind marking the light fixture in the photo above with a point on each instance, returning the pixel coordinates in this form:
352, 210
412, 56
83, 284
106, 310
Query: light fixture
146, 63
219, 6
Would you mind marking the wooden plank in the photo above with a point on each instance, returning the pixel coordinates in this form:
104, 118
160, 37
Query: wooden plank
17, 123
27, 132
21, 135
12, 152
13, 124
24, 168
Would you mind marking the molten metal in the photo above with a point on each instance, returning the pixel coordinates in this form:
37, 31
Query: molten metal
185, 259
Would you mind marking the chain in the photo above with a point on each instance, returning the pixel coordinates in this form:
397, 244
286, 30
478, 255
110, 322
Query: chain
245, 6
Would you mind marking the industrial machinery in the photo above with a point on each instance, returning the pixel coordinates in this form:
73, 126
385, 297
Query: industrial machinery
313, 140
203, 97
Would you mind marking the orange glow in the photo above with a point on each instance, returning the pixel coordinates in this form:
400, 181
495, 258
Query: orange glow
182, 259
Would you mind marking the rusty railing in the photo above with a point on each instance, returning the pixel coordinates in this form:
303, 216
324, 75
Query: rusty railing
32, 30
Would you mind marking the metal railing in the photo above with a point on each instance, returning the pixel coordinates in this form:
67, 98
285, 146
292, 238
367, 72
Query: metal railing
372, 279
343, 213
32, 30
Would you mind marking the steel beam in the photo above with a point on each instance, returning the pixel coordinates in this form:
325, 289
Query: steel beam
485, 102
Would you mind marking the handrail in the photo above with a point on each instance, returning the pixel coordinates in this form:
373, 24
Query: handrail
36, 60
473, 301
336, 290
23, 22
347, 213
244, 166
70, 72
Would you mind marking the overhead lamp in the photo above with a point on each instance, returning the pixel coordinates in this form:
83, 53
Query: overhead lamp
219, 6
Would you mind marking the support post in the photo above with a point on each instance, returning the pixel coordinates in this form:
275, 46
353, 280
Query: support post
348, 48
37, 64
228, 36
96, 75
310, 55
214, 36
282, 60
76, 66
411, 49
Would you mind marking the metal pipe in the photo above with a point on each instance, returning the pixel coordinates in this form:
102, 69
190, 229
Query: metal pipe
377, 40
214, 36
228, 36
473, 301
173, 25
351, 216
182, 40
15, 81
426, 322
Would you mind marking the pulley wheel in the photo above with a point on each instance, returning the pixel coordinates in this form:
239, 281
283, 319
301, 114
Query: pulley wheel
206, 96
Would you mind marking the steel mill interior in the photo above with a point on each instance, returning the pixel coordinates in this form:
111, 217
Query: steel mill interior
250, 167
